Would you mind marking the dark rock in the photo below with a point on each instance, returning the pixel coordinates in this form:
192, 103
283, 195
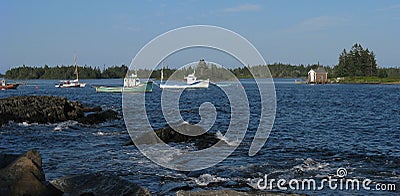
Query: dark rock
39, 109
24, 176
97, 184
228, 193
94, 109
49, 109
174, 186
7, 159
169, 135
211, 192
99, 117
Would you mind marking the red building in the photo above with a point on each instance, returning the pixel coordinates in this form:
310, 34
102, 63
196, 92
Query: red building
319, 76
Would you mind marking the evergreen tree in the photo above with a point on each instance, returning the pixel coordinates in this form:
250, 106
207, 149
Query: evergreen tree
358, 62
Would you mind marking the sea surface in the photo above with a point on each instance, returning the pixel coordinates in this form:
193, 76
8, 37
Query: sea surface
317, 130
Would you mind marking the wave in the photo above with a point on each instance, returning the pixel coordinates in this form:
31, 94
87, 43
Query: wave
64, 125
26, 124
205, 179
310, 164
101, 133
226, 140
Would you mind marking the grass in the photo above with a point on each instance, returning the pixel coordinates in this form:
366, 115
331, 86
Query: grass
370, 80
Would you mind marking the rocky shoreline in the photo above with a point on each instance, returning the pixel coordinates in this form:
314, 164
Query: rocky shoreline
50, 109
24, 174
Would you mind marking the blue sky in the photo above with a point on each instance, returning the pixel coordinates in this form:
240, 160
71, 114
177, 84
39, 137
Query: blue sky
112, 32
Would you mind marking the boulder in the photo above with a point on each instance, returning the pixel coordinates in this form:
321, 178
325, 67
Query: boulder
94, 109
97, 184
99, 117
229, 193
24, 176
39, 109
50, 109
170, 135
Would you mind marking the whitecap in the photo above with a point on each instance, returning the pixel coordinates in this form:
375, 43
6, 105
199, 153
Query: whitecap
205, 179
64, 125
310, 164
226, 140
101, 133
26, 124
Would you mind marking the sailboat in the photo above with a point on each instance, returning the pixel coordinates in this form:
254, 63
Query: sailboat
72, 83
191, 82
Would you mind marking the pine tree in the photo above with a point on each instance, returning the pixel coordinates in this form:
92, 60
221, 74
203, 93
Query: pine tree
358, 62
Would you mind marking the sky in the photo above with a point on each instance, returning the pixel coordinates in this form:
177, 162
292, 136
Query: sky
106, 33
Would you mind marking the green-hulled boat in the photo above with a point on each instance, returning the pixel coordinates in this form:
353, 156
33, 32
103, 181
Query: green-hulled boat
132, 84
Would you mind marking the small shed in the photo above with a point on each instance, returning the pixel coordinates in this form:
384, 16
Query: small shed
318, 76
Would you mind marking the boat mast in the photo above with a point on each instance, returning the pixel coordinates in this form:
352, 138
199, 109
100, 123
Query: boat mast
76, 67
133, 67
162, 72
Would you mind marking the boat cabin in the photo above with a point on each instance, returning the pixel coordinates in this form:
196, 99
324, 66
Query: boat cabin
131, 81
190, 79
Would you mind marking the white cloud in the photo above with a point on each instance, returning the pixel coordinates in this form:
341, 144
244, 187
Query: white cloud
392, 7
319, 23
243, 8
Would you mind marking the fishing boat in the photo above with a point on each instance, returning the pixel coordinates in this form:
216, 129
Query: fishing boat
5, 86
191, 82
72, 83
132, 84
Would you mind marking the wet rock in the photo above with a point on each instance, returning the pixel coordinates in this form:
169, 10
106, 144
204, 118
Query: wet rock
49, 109
39, 109
173, 186
6, 159
24, 176
228, 193
99, 117
94, 109
97, 184
211, 192
169, 135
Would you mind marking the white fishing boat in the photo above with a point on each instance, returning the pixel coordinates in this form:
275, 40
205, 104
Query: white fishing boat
71, 83
191, 82
132, 84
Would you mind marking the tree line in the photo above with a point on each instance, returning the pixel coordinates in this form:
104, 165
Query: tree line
357, 62
213, 72
65, 72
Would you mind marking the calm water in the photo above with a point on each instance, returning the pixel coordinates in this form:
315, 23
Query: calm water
317, 130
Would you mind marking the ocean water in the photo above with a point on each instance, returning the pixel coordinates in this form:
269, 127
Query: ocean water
318, 129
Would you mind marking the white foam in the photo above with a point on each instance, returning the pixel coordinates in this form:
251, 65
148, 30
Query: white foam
226, 140
205, 179
101, 133
310, 164
26, 124
64, 125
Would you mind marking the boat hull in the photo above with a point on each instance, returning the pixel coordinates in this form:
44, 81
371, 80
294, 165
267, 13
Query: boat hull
199, 84
9, 86
145, 87
71, 85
